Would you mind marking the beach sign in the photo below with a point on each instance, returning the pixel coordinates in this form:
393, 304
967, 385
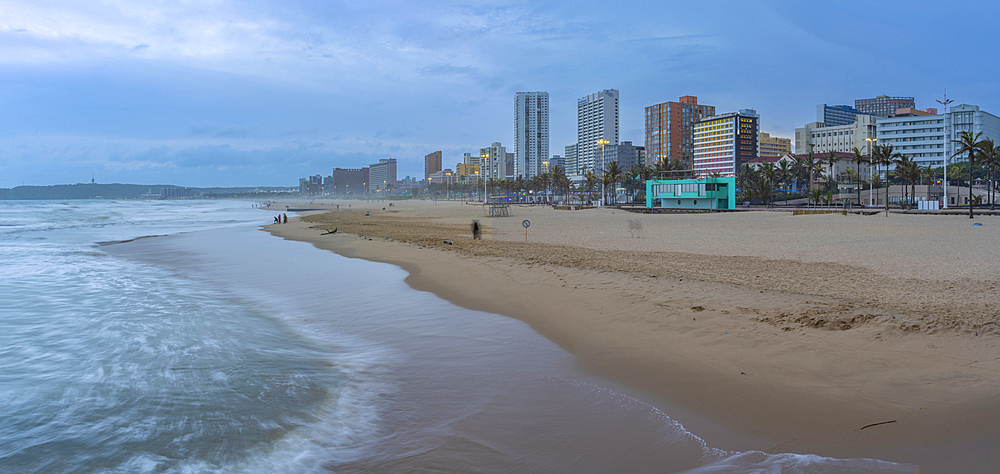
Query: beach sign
526, 223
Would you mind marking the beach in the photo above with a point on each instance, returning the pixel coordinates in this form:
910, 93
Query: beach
844, 336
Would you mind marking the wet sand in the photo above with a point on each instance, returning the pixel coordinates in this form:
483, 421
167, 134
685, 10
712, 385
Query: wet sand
770, 331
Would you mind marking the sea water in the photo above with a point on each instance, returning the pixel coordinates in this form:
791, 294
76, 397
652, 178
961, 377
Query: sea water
216, 347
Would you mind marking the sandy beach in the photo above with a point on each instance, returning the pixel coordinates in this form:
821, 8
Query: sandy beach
843, 336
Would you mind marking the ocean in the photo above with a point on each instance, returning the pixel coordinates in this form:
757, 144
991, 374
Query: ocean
175, 336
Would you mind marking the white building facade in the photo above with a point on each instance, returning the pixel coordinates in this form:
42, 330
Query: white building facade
531, 133
493, 160
923, 137
817, 137
382, 176
596, 119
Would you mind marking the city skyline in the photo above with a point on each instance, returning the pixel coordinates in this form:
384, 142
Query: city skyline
230, 94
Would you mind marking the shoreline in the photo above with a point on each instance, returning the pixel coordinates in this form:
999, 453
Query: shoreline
748, 368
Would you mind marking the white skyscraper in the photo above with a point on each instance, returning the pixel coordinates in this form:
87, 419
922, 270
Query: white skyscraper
531, 133
596, 119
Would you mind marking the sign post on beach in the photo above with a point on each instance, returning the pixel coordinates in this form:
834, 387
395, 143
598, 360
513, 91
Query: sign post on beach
526, 223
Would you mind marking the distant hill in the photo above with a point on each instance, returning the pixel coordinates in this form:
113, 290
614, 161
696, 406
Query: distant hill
132, 191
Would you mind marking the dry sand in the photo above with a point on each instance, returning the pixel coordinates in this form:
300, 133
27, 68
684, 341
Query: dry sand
761, 330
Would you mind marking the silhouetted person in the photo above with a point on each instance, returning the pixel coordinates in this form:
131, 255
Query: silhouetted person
475, 230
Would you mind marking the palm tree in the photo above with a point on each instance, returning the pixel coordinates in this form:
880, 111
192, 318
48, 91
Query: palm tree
591, 182
884, 155
990, 160
816, 195
971, 144
614, 174
859, 159
810, 165
784, 173
902, 162
831, 161
769, 176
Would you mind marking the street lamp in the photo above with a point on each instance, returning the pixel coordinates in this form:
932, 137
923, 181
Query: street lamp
944, 152
482, 167
871, 159
602, 142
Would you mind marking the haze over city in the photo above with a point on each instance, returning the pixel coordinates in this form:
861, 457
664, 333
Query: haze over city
237, 94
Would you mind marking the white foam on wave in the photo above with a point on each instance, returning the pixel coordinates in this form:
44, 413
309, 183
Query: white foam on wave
716, 460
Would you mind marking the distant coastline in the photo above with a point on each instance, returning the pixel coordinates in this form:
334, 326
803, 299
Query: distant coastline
139, 191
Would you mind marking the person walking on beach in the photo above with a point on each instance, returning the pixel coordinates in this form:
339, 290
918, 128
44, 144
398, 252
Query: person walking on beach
475, 230
275, 219
286, 218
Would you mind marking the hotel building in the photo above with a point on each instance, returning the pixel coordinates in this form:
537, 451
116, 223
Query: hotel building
669, 129
493, 160
531, 133
722, 143
432, 164
818, 137
774, 146
922, 136
834, 115
883, 105
382, 175
596, 119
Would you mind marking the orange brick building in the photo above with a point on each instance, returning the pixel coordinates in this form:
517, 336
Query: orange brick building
669, 129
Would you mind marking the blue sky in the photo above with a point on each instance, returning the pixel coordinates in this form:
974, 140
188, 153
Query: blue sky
215, 92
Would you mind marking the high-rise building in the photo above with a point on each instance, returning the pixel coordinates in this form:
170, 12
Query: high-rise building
531, 133
883, 105
493, 160
596, 119
350, 181
382, 176
834, 115
432, 164
774, 146
570, 160
818, 137
669, 128
724, 142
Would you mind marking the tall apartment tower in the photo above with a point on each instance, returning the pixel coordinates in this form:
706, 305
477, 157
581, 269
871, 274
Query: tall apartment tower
382, 176
724, 142
596, 119
531, 133
432, 164
883, 105
669, 129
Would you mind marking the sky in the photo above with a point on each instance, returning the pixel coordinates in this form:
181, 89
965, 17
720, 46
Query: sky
261, 93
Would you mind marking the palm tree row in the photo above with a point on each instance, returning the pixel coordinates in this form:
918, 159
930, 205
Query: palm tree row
987, 155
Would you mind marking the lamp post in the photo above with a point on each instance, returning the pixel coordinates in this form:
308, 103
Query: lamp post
944, 152
871, 161
602, 142
482, 167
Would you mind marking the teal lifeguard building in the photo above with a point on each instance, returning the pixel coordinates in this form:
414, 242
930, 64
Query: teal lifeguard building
700, 193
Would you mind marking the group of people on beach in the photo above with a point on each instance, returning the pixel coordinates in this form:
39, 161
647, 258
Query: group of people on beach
281, 219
